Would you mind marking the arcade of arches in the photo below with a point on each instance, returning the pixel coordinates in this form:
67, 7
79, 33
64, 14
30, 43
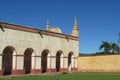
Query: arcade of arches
9, 56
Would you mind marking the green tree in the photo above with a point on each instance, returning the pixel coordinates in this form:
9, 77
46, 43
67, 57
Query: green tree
115, 48
106, 46
119, 38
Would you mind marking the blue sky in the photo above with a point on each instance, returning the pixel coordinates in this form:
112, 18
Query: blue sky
97, 19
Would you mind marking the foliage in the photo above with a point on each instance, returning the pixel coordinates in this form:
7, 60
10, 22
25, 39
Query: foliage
99, 53
115, 48
109, 48
119, 38
106, 46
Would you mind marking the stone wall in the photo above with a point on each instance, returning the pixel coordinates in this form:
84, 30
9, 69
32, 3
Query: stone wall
101, 63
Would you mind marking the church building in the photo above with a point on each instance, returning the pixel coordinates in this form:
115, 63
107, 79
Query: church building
25, 50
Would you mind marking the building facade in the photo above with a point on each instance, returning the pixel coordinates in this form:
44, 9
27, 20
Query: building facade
25, 50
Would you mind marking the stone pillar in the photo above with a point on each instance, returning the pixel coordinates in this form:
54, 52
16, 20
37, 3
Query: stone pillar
69, 68
65, 64
19, 65
62, 63
72, 63
38, 64
14, 63
33, 63
49, 63
53, 64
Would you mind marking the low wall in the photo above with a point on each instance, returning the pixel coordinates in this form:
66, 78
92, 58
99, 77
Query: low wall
101, 63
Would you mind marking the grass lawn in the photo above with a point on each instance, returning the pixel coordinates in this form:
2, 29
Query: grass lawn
72, 76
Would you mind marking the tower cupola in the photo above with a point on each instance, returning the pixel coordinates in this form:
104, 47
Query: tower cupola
47, 25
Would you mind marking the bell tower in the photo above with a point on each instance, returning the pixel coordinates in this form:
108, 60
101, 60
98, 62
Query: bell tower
75, 30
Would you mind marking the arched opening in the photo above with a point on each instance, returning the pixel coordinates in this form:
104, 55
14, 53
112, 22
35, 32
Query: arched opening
70, 61
7, 60
44, 60
58, 61
27, 60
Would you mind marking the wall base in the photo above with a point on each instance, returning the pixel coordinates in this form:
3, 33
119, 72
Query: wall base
35, 71
74, 69
39, 71
48, 71
53, 70
17, 72
1, 73
98, 70
63, 70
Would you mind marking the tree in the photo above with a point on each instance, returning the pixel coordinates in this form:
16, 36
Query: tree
106, 46
115, 48
119, 38
110, 47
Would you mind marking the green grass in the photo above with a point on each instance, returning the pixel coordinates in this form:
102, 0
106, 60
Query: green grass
73, 76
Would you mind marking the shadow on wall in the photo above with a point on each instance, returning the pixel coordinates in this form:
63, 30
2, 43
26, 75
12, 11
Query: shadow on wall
2, 28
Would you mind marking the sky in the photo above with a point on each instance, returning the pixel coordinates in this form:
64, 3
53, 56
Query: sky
97, 19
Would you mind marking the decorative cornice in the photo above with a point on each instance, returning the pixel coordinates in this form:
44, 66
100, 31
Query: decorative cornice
37, 31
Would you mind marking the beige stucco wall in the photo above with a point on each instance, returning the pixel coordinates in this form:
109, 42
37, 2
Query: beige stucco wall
22, 40
99, 63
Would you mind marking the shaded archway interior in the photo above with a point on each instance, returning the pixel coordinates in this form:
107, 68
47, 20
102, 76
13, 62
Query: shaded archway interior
44, 60
27, 60
7, 60
69, 58
58, 61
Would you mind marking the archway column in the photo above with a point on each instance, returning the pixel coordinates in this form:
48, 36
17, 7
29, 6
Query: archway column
69, 67
62, 63
37, 63
14, 63
72, 63
49, 63
65, 64
18, 68
33, 63
69, 64
53, 64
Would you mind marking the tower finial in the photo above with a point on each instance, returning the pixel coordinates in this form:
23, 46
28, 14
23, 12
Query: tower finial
75, 31
47, 25
75, 24
75, 20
